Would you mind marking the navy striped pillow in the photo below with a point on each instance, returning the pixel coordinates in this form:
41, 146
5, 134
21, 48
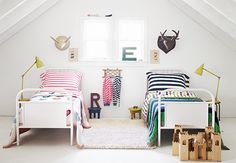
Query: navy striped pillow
159, 81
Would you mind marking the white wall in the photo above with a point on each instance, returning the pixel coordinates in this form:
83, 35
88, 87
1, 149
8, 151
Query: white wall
195, 46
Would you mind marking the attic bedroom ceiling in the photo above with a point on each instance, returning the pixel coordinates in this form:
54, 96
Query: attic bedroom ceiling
7, 5
15, 14
216, 16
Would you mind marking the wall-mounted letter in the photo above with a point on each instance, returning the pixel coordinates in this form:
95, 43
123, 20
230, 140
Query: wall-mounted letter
127, 55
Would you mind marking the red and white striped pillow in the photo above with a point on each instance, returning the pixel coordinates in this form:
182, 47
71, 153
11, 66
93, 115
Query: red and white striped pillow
69, 81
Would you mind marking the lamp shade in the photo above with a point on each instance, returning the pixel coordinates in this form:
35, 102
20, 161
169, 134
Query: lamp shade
200, 69
39, 63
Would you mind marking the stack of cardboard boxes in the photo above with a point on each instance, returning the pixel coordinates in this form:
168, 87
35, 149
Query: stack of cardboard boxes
204, 146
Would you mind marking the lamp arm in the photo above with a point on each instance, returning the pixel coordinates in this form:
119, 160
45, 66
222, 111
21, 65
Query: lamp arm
211, 73
218, 83
28, 69
217, 89
23, 75
22, 85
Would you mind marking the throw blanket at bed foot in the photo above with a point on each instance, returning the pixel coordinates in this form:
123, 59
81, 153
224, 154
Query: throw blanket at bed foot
152, 118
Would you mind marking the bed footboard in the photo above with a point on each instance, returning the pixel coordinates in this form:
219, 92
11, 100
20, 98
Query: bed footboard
44, 114
188, 114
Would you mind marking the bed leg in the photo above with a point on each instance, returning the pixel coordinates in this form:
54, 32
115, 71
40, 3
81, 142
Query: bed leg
16, 125
71, 134
16, 128
17, 136
78, 136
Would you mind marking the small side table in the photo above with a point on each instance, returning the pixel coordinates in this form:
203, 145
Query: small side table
133, 111
94, 111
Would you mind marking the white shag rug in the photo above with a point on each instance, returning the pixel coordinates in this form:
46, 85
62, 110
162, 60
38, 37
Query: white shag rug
116, 134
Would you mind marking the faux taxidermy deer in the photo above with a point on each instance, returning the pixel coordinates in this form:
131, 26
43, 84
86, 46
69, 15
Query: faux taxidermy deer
167, 43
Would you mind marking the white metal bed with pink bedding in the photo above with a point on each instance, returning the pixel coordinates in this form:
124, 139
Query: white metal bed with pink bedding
58, 104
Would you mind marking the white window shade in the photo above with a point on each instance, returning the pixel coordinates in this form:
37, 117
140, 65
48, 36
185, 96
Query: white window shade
96, 29
131, 30
96, 39
96, 49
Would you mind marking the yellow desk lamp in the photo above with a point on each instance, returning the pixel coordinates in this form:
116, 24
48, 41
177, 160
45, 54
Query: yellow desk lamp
199, 71
38, 64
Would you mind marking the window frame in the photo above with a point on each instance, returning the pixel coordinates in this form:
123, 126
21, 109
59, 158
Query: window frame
144, 37
114, 40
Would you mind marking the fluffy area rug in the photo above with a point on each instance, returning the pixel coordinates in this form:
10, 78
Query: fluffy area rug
116, 134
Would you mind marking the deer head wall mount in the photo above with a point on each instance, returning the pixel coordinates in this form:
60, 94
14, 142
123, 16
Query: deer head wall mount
167, 43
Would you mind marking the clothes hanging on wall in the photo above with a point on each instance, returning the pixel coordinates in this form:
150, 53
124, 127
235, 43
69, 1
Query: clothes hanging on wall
116, 89
107, 90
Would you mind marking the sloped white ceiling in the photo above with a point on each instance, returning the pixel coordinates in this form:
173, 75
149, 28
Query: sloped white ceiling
15, 14
7, 5
225, 7
216, 16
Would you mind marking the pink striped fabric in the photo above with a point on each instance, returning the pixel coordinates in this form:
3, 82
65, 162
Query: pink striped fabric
107, 91
69, 81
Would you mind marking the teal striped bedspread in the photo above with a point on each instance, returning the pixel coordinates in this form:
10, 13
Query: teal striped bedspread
152, 117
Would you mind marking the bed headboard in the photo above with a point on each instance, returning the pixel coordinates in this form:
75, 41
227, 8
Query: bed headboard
62, 70
167, 71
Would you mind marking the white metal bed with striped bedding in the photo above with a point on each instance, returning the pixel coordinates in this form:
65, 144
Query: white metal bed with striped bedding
176, 110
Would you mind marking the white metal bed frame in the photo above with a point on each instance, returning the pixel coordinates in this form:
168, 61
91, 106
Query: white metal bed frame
189, 114
56, 112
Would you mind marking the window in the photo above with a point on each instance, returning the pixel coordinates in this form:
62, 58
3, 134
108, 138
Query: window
98, 42
131, 40
96, 39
